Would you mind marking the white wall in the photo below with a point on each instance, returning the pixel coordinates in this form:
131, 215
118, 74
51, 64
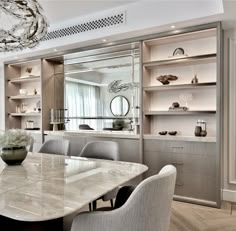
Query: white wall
2, 126
229, 154
142, 17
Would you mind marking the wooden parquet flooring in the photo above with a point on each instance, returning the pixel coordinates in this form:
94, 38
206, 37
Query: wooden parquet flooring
190, 217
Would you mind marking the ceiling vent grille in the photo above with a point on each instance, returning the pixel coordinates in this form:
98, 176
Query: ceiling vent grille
105, 22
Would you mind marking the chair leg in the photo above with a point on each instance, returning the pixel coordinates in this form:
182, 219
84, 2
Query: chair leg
111, 201
90, 207
94, 205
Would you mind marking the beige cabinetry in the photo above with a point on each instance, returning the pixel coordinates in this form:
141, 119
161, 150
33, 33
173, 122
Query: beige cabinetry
23, 95
32, 88
129, 148
195, 163
188, 78
184, 69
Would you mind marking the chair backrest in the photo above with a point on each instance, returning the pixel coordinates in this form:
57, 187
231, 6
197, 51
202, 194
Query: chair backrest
107, 150
59, 147
149, 206
85, 127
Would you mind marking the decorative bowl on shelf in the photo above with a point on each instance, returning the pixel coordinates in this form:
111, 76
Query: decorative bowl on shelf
162, 133
172, 133
165, 79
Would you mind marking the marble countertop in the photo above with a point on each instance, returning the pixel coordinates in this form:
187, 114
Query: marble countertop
49, 186
115, 134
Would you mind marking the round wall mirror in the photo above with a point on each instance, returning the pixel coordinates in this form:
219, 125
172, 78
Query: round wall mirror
119, 106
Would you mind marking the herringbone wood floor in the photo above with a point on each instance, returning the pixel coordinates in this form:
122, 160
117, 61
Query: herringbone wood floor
189, 217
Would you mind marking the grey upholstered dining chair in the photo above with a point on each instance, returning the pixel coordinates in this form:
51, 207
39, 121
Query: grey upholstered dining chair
107, 150
59, 147
147, 209
85, 127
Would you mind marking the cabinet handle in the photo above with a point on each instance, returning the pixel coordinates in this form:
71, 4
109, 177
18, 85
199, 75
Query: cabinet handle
179, 184
178, 147
177, 163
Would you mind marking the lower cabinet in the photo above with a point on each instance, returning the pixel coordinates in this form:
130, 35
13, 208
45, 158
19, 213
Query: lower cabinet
129, 148
196, 164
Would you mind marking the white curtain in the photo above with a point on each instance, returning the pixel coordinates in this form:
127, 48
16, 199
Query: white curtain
82, 101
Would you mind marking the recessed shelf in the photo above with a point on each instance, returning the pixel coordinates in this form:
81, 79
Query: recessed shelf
181, 37
25, 80
179, 86
198, 59
25, 97
25, 114
150, 113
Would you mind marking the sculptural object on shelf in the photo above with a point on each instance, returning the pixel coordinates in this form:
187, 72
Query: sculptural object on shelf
165, 79
172, 133
195, 79
176, 107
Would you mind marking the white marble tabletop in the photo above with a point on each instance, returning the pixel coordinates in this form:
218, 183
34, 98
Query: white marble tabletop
48, 186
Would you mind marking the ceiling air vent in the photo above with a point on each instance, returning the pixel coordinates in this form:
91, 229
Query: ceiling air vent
109, 21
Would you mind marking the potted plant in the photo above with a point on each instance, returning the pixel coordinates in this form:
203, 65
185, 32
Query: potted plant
13, 146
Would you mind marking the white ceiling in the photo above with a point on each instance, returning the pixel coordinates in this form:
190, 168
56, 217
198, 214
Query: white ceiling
59, 11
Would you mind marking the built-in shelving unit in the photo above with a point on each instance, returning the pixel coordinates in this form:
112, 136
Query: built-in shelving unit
25, 97
193, 86
179, 86
25, 80
23, 94
32, 88
198, 59
149, 113
25, 114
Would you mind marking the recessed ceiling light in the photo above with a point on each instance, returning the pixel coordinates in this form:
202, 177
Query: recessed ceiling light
54, 49
104, 40
173, 26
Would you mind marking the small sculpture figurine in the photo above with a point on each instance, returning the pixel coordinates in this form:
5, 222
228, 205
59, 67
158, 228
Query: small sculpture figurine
35, 91
28, 70
176, 107
195, 79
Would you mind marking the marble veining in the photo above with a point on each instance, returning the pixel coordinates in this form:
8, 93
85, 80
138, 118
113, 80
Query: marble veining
49, 186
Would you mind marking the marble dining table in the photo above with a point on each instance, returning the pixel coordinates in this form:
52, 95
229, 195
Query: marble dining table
47, 187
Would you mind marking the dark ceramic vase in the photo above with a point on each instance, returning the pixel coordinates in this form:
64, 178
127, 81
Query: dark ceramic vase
13, 156
198, 130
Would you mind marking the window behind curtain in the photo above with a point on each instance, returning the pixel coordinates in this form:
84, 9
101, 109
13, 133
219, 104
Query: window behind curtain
82, 100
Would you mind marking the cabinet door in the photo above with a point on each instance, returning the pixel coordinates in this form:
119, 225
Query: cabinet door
155, 161
195, 163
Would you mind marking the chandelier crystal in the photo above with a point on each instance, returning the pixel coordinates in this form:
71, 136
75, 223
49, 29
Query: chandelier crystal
22, 24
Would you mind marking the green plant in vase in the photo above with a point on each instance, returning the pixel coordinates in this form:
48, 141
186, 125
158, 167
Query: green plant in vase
13, 145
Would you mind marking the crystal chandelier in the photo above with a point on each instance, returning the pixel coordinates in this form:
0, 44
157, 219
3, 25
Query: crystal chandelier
22, 24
